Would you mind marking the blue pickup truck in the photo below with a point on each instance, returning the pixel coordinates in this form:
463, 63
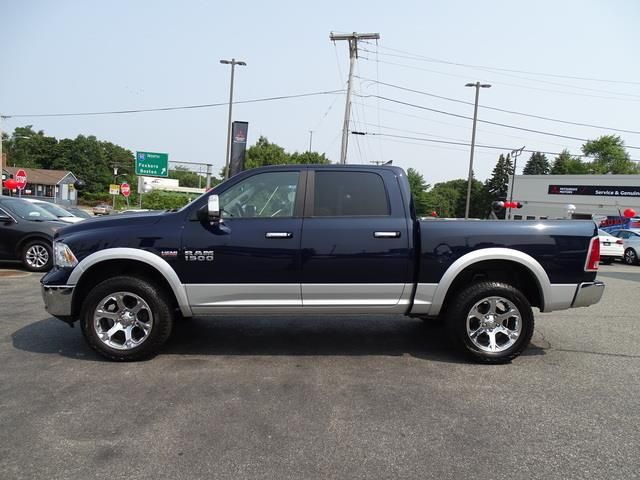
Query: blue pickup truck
309, 239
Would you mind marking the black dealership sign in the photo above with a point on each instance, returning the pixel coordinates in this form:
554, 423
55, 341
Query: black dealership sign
594, 190
238, 147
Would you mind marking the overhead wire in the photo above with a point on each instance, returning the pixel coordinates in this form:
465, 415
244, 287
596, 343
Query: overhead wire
527, 87
554, 75
164, 109
513, 112
444, 112
448, 142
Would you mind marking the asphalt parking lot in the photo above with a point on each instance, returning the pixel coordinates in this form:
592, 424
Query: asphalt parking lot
336, 397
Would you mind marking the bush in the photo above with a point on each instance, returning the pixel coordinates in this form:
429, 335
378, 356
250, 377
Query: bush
159, 200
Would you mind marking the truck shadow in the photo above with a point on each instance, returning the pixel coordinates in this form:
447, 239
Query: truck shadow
270, 336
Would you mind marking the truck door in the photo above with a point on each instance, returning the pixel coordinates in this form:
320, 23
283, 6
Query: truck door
355, 242
252, 258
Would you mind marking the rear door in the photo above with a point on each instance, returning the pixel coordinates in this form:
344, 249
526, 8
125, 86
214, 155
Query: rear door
355, 242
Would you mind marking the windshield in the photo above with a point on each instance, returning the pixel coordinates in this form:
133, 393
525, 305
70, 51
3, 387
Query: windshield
54, 209
26, 210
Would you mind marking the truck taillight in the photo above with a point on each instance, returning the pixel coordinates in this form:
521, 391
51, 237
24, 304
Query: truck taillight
593, 256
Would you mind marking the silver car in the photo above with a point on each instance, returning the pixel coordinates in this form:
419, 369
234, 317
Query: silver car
631, 240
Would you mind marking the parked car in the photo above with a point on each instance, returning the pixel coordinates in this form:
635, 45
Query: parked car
631, 239
611, 248
317, 240
26, 233
62, 214
78, 212
102, 209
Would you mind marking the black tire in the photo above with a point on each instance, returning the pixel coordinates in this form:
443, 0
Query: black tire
36, 256
155, 305
474, 299
630, 257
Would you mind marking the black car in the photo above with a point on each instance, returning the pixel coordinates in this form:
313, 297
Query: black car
26, 233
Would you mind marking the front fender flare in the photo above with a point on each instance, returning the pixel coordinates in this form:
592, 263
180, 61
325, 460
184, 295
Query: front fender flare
123, 253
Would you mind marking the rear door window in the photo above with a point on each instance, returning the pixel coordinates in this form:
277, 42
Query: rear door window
349, 194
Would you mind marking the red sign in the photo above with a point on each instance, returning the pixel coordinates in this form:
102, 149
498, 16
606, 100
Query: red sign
21, 179
125, 190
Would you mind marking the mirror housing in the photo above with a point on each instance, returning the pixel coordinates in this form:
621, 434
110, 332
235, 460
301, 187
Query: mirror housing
211, 211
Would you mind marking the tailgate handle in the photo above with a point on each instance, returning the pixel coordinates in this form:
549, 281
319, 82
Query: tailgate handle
278, 235
386, 234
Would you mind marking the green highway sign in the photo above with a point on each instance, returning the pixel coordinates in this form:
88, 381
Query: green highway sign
152, 164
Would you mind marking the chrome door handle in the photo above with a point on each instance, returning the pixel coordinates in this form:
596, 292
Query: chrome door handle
386, 234
278, 235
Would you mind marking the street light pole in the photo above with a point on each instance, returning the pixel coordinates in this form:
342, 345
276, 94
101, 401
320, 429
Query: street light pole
233, 62
477, 86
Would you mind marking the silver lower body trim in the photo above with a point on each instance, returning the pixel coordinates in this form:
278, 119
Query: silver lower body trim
57, 299
218, 299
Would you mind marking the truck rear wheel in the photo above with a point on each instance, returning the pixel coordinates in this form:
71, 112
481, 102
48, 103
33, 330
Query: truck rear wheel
126, 318
491, 322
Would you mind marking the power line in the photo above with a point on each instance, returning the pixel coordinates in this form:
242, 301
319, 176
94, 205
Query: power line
493, 147
528, 87
492, 70
513, 112
165, 109
443, 112
554, 75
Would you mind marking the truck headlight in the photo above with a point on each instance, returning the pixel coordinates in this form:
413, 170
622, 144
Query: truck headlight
63, 256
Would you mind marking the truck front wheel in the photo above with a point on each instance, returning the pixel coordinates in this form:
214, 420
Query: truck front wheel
126, 318
491, 322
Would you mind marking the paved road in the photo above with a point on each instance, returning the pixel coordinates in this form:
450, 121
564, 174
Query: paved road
337, 397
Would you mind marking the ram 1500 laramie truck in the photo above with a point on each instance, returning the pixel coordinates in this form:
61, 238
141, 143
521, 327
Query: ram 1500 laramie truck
309, 239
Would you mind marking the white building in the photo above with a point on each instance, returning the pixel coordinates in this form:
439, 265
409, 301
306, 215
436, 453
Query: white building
553, 196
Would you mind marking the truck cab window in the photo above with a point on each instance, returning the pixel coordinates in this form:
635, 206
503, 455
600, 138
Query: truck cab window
263, 195
348, 194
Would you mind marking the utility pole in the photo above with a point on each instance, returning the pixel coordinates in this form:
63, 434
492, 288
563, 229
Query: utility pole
310, 139
233, 62
515, 154
477, 86
352, 38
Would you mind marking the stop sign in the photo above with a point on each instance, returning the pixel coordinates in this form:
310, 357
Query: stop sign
21, 179
125, 190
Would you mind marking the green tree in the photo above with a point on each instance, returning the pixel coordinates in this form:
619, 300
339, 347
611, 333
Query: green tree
448, 199
537, 165
307, 158
187, 178
498, 185
566, 164
28, 148
419, 191
609, 156
265, 153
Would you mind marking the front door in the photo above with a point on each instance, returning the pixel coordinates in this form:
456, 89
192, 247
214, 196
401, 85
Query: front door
252, 258
355, 243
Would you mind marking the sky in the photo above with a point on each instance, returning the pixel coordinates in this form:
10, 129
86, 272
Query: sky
69, 56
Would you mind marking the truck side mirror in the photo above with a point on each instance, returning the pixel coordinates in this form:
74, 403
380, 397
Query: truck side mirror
213, 208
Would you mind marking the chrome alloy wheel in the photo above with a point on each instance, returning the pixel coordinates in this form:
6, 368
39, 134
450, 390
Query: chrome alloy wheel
122, 320
36, 256
494, 324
